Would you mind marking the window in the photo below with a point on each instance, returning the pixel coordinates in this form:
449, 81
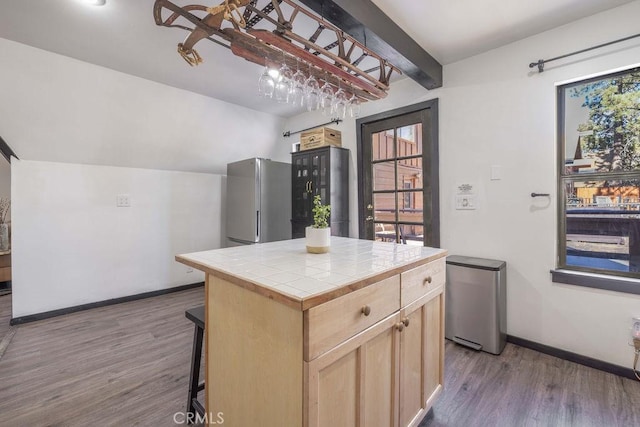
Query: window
599, 175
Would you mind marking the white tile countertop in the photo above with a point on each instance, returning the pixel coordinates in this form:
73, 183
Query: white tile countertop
286, 268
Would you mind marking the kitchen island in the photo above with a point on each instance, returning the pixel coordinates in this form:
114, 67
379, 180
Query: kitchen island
354, 337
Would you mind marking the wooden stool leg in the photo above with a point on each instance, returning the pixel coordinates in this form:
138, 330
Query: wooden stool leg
194, 378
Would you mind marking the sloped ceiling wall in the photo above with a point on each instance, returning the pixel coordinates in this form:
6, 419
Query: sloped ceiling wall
55, 108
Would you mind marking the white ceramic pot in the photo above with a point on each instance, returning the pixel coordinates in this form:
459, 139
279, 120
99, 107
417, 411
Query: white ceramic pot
318, 240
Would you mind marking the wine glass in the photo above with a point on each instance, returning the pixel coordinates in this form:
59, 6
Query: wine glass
340, 103
284, 84
297, 86
312, 92
266, 84
326, 97
354, 106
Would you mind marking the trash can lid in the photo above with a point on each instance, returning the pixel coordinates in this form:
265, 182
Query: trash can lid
481, 263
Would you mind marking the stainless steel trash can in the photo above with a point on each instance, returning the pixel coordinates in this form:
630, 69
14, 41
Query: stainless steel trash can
476, 303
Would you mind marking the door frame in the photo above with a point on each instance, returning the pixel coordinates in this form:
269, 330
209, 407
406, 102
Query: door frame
431, 168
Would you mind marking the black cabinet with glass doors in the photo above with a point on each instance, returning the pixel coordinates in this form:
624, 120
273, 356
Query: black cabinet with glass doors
323, 171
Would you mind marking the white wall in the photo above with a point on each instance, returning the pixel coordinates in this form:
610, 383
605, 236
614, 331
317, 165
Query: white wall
495, 111
72, 245
54, 108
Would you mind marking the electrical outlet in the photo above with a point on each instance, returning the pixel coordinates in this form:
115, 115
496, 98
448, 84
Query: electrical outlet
123, 201
635, 327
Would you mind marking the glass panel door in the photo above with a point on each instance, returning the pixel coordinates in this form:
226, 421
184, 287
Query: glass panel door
398, 179
396, 165
301, 185
319, 175
394, 160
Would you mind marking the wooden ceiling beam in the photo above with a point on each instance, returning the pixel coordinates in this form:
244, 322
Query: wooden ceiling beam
365, 22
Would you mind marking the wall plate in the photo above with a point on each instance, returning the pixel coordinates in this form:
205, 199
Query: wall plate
123, 201
465, 202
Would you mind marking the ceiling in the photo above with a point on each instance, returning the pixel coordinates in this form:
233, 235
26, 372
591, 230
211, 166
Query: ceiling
123, 36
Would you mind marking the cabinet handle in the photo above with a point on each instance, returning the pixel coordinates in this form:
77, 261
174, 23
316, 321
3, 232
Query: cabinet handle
405, 322
366, 310
310, 186
427, 280
400, 326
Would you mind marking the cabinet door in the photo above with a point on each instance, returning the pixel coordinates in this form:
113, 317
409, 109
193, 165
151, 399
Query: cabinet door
298, 229
301, 189
324, 172
421, 357
434, 352
356, 383
320, 170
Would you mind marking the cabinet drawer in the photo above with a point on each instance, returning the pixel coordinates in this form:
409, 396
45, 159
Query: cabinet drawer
331, 323
420, 280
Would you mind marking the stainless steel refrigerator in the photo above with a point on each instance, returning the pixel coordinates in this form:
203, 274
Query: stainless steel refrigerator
258, 201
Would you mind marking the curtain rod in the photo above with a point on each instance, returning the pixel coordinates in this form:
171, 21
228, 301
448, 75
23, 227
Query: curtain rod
289, 133
541, 62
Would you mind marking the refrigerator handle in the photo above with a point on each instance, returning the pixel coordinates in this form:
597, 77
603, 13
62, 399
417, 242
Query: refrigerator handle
258, 225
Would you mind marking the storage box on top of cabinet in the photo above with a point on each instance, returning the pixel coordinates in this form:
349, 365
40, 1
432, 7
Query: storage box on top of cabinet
320, 137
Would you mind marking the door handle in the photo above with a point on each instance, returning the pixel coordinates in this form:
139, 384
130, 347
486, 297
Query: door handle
258, 224
310, 187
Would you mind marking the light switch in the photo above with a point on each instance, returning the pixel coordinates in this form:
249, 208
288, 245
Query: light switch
465, 202
496, 172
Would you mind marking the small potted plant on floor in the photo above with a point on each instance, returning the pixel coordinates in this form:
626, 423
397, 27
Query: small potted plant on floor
318, 235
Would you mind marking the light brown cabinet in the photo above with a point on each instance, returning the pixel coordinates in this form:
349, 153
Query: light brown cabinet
389, 374
421, 357
372, 356
356, 384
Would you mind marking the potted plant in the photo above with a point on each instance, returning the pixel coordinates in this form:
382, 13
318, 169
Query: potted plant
318, 235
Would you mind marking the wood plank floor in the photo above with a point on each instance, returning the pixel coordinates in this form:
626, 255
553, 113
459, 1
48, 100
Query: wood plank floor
127, 365
522, 387
5, 314
122, 365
